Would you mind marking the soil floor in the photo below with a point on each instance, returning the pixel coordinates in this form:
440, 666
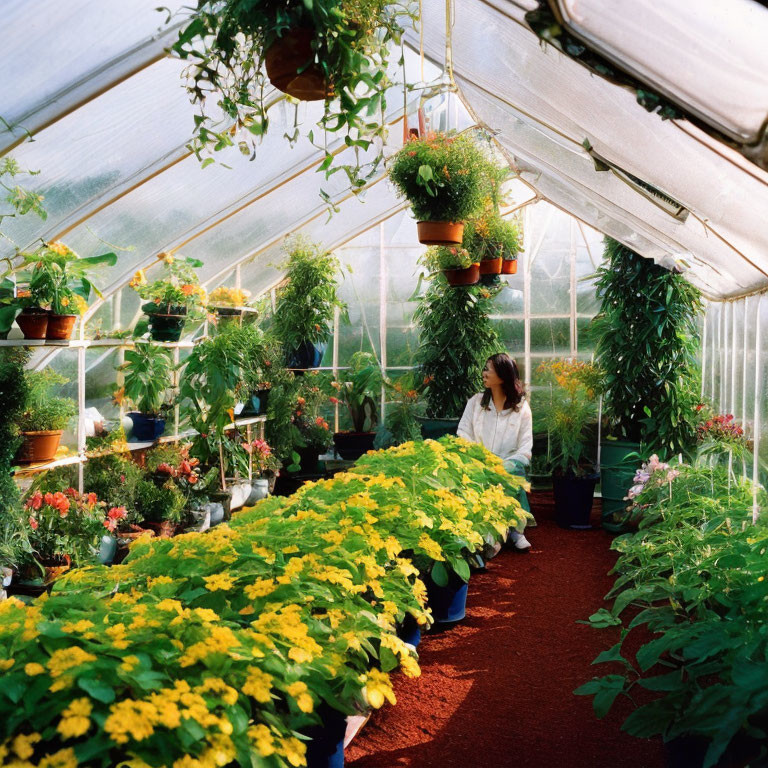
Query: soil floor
497, 689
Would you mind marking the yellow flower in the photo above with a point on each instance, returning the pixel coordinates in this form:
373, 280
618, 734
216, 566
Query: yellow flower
217, 687
258, 685
219, 581
294, 751
166, 257
6, 664
261, 738
22, 744
378, 688
77, 627
130, 663
64, 302
75, 719
300, 692
68, 658
431, 547
130, 719
64, 758
260, 588
59, 248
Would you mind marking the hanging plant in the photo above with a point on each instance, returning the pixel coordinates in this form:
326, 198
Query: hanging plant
332, 50
445, 179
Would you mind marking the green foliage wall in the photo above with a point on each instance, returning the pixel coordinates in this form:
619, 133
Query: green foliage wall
646, 337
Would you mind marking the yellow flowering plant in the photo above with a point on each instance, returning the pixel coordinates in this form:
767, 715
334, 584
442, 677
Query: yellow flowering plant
218, 648
228, 297
177, 292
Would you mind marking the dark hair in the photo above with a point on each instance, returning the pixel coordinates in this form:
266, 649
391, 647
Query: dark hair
506, 370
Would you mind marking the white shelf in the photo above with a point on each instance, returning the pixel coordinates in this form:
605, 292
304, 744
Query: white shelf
88, 343
29, 469
246, 422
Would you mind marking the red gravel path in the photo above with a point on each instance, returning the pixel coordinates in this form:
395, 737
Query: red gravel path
496, 690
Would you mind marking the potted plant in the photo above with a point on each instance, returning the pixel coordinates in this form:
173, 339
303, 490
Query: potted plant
58, 290
228, 302
263, 355
15, 548
10, 306
306, 303
358, 392
331, 50
456, 337
148, 371
645, 342
404, 406
65, 528
456, 264
444, 179
170, 300
265, 466
493, 241
161, 505
44, 417
568, 414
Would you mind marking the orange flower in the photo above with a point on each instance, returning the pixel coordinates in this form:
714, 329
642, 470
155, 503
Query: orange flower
187, 289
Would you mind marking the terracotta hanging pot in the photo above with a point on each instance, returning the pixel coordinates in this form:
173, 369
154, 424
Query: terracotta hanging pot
291, 67
39, 446
33, 322
491, 266
441, 232
468, 276
509, 267
60, 327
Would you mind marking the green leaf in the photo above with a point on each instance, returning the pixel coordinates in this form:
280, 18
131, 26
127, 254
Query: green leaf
97, 689
439, 574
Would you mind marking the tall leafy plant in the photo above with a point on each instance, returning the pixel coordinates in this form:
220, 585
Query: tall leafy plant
13, 395
148, 376
306, 303
456, 337
646, 342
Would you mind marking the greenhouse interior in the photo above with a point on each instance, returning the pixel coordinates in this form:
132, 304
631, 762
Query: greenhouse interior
383, 384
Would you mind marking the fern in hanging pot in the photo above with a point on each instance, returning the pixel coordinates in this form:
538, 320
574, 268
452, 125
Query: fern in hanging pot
494, 242
445, 180
337, 51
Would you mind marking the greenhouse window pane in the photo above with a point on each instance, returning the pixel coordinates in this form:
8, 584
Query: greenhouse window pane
72, 41
552, 336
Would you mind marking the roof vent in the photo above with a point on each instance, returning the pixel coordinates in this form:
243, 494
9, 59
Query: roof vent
667, 204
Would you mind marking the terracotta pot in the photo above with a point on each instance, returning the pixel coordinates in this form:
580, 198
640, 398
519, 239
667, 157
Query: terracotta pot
54, 567
33, 324
39, 446
60, 327
490, 266
440, 232
468, 276
164, 530
509, 267
291, 66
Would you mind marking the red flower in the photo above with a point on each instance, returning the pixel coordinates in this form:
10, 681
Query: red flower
36, 501
334, 400
33, 523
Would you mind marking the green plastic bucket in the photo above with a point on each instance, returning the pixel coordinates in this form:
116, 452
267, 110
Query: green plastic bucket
434, 429
616, 473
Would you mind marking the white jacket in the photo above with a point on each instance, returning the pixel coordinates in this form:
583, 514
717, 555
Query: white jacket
507, 433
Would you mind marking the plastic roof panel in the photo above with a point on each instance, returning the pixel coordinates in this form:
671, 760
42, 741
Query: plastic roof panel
72, 59
98, 150
500, 58
709, 56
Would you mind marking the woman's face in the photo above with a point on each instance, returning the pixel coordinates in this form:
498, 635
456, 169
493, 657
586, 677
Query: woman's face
490, 378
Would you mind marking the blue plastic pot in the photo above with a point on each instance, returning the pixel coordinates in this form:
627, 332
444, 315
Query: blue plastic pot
326, 746
306, 355
146, 427
107, 549
448, 603
409, 631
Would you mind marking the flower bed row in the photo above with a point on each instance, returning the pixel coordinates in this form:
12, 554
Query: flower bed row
693, 576
219, 648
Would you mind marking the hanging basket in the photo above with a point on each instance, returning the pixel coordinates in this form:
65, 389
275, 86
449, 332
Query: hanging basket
166, 327
291, 66
491, 266
457, 277
440, 232
509, 267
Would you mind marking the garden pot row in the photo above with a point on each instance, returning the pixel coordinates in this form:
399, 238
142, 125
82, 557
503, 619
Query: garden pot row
36, 324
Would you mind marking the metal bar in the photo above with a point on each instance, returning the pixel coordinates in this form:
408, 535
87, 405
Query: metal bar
80, 413
733, 358
744, 364
573, 296
335, 361
704, 352
382, 316
527, 261
756, 430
